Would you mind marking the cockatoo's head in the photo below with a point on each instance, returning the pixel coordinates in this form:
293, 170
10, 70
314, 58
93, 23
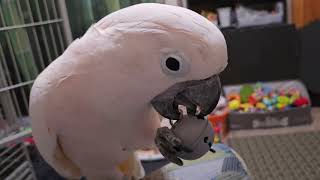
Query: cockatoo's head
101, 97
173, 52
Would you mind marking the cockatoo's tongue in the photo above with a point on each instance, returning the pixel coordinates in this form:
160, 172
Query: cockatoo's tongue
199, 97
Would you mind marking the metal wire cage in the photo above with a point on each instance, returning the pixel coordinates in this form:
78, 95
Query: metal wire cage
32, 34
15, 162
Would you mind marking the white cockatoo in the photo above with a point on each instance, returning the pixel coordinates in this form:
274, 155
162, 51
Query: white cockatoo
100, 100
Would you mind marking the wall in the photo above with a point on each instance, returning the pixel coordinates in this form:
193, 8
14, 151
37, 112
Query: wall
305, 11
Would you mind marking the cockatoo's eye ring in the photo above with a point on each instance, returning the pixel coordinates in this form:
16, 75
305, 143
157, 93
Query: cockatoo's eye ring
174, 65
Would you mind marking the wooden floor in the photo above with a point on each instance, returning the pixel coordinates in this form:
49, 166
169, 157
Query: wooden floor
311, 127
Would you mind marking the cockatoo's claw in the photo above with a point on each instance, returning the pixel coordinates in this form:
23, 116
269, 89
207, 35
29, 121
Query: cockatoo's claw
169, 145
168, 155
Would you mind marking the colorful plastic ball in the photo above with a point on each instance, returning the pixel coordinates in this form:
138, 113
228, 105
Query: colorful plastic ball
280, 106
274, 100
282, 93
245, 107
267, 90
216, 139
301, 102
273, 94
258, 95
293, 99
233, 96
245, 92
234, 104
270, 108
283, 100
261, 106
266, 101
252, 110
252, 100
294, 92
217, 130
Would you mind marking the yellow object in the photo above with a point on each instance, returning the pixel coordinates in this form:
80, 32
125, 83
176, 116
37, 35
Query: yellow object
283, 100
234, 104
280, 106
261, 106
246, 106
216, 139
132, 167
292, 99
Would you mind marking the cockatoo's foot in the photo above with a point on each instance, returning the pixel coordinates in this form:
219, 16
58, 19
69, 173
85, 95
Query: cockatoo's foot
169, 145
132, 168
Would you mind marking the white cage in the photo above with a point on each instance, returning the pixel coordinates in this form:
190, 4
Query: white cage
32, 34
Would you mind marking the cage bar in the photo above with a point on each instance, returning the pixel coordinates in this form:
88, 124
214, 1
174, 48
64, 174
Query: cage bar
55, 15
43, 32
25, 21
55, 50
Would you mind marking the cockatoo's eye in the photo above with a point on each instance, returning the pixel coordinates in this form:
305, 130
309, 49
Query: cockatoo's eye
174, 65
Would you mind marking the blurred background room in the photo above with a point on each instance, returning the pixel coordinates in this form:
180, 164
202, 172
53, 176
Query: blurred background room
268, 112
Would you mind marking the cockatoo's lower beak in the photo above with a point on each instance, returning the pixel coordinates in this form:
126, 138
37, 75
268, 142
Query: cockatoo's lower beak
196, 95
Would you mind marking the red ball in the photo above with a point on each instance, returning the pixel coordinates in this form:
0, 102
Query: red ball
301, 102
252, 100
217, 129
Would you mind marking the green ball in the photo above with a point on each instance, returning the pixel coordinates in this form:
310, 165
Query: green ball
283, 100
245, 92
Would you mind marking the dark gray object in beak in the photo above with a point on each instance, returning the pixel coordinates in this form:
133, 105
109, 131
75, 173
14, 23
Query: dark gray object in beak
172, 143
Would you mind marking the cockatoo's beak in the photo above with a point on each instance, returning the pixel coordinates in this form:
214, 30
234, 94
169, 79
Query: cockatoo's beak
200, 97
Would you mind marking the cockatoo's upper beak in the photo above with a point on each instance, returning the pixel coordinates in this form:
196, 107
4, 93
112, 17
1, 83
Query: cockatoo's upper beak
200, 97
